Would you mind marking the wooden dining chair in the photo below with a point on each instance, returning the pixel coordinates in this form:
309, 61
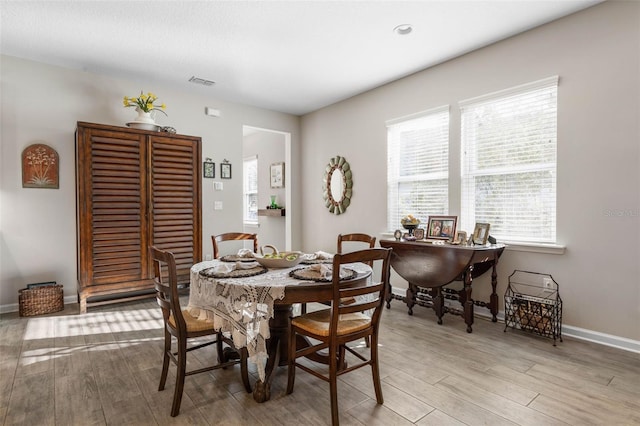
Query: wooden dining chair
232, 236
179, 324
341, 324
355, 238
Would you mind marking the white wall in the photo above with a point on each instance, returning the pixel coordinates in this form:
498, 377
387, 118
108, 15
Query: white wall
596, 53
42, 103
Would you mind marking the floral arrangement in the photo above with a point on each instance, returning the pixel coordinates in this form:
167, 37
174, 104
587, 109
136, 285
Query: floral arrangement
410, 220
144, 102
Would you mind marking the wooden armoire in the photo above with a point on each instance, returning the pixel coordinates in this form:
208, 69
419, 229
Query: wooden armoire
134, 188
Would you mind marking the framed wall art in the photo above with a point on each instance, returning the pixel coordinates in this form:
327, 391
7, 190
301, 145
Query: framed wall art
276, 173
442, 227
209, 168
40, 167
225, 170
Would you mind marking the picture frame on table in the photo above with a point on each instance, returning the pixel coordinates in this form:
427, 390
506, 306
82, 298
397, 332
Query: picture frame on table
461, 238
225, 170
481, 233
442, 227
418, 233
276, 173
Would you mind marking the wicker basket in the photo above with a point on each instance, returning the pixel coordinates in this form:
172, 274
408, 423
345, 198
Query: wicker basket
40, 300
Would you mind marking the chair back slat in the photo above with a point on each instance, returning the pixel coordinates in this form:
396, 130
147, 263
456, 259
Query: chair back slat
232, 236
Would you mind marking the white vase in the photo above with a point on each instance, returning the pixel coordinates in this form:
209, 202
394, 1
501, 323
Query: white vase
144, 117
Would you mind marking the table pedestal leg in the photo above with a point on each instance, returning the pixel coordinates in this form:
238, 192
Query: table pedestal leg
277, 350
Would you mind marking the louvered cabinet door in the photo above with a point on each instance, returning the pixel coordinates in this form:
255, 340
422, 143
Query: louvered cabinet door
175, 199
112, 223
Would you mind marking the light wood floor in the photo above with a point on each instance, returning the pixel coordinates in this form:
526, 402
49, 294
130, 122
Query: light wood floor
103, 368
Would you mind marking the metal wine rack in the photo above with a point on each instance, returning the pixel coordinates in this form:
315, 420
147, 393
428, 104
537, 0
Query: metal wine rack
532, 303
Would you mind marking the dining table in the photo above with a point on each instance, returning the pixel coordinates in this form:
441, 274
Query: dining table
254, 309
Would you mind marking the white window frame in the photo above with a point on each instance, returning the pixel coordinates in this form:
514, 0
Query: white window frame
530, 217
249, 189
408, 170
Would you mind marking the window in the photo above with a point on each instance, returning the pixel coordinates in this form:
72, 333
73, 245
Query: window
250, 189
418, 166
508, 166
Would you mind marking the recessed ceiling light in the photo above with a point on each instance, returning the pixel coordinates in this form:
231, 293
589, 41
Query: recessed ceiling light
403, 29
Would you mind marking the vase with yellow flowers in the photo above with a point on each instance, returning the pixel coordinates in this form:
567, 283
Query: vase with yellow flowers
144, 105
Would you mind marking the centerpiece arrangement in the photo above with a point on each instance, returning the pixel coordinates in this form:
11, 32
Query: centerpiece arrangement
410, 223
144, 105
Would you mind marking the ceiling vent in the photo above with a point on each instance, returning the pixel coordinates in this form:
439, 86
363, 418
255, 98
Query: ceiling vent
202, 81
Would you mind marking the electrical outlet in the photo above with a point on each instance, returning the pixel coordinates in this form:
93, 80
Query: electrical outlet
547, 284
207, 256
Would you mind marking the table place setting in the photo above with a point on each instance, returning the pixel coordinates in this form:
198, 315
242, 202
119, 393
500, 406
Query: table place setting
318, 257
321, 273
238, 269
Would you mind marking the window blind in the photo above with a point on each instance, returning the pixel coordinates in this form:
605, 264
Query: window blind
418, 166
509, 142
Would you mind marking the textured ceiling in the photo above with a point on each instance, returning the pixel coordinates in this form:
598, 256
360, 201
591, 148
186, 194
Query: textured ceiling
289, 56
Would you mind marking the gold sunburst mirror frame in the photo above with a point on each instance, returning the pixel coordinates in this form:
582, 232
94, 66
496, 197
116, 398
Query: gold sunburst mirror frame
337, 185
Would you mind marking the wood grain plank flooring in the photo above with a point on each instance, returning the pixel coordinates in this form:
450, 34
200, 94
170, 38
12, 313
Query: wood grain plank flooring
103, 368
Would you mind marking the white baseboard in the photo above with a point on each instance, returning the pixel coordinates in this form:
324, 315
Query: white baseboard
567, 331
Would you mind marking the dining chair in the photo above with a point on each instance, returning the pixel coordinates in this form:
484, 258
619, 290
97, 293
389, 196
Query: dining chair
333, 328
232, 236
182, 326
356, 238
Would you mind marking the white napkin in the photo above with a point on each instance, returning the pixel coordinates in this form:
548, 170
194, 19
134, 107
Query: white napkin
319, 255
226, 267
245, 253
325, 271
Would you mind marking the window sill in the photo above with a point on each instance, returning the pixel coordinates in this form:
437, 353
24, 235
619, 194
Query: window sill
535, 248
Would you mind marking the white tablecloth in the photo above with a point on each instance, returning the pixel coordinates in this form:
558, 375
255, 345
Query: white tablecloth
243, 306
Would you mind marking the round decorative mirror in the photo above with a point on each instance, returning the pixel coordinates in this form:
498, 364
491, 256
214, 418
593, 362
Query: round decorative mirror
337, 183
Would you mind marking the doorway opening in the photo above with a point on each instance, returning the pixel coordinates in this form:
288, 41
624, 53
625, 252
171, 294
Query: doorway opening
270, 147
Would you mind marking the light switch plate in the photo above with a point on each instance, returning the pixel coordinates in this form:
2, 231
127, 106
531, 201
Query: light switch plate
217, 186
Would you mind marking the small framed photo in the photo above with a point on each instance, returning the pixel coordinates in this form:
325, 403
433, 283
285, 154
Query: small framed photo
461, 238
442, 227
418, 233
276, 172
481, 233
225, 170
397, 235
209, 169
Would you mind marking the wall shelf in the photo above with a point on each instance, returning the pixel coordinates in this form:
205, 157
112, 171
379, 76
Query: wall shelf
271, 212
